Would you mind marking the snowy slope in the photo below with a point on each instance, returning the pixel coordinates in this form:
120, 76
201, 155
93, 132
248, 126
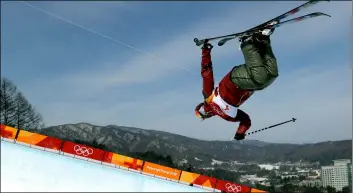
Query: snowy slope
28, 169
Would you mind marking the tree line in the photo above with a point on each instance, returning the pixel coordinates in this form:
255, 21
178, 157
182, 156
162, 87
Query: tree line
292, 188
16, 110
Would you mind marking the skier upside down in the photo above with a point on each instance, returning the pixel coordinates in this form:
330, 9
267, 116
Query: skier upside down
259, 71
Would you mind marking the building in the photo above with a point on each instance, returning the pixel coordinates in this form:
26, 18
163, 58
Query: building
337, 175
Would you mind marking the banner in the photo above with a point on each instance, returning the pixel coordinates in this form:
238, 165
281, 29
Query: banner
8, 132
253, 190
83, 150
123, 161
188, 177
162, 171
193, 178
229, 187
39, 140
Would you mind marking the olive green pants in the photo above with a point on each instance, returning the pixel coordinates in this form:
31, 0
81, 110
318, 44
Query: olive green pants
260, 68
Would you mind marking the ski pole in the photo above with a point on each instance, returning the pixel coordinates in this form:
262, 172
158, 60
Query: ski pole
278, 124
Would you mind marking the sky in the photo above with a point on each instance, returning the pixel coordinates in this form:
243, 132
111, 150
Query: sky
55, 172
135, 64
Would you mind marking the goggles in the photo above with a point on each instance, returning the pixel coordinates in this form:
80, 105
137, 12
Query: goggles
199, 114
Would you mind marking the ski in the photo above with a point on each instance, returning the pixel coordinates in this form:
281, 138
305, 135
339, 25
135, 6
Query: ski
289, 13
258, 30
278, 18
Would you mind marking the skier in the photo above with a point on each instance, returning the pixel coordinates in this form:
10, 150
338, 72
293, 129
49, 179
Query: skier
258, 72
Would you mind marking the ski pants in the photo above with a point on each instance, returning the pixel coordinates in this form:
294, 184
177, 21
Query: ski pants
260, 68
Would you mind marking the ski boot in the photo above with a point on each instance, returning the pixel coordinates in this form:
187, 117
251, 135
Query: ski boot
244, 40
254, 36
260, 36
268, 32
265, 34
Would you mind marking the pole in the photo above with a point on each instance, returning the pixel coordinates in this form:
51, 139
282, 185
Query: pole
278, 124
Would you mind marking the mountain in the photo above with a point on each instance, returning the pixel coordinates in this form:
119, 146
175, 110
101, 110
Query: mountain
128, 140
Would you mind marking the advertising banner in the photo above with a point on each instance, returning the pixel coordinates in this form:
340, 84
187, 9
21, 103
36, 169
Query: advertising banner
123, 161
198, 179
39, 140
8, 132
232, 187
162, 171
83, 150
253, 190
188, 177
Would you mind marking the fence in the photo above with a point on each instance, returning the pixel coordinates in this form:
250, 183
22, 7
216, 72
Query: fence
115, 160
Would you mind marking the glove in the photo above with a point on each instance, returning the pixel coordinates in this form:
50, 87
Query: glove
206, 62
239, 136
244, 125
206, 48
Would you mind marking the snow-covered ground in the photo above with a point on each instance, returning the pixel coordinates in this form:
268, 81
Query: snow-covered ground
268, 167
216, 162
25, 169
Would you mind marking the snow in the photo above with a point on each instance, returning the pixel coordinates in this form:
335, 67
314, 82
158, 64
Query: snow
208, 168
258, 179
25, 169
184, 161
253, 178
268, 167
197, 159
303, 171
236, 163
249, 176
216, 162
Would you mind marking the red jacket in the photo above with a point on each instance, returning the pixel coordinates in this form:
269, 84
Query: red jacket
229, 95
212, 108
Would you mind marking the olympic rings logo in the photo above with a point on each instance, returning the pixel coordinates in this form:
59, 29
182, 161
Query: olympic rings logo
83, 150
232, 187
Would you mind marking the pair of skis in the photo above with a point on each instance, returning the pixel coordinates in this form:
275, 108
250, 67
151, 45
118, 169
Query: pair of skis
267, 24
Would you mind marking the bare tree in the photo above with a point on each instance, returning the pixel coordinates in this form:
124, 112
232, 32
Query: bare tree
8, 104
34, 119
21, 110
16, 111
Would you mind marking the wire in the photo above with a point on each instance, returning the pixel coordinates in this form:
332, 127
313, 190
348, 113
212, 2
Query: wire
110, 38
105, 36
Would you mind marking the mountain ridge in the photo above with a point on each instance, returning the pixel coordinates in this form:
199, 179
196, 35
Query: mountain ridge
152, 130
129, 140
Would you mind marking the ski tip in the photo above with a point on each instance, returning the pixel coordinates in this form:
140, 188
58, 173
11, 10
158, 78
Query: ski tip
221, 43
198, 42
320, 13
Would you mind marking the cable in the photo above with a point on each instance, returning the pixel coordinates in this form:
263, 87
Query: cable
105, 36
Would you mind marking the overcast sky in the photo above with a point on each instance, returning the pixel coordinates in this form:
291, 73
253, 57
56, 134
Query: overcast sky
135, 64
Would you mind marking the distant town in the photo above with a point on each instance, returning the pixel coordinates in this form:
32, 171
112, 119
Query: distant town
336, 177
